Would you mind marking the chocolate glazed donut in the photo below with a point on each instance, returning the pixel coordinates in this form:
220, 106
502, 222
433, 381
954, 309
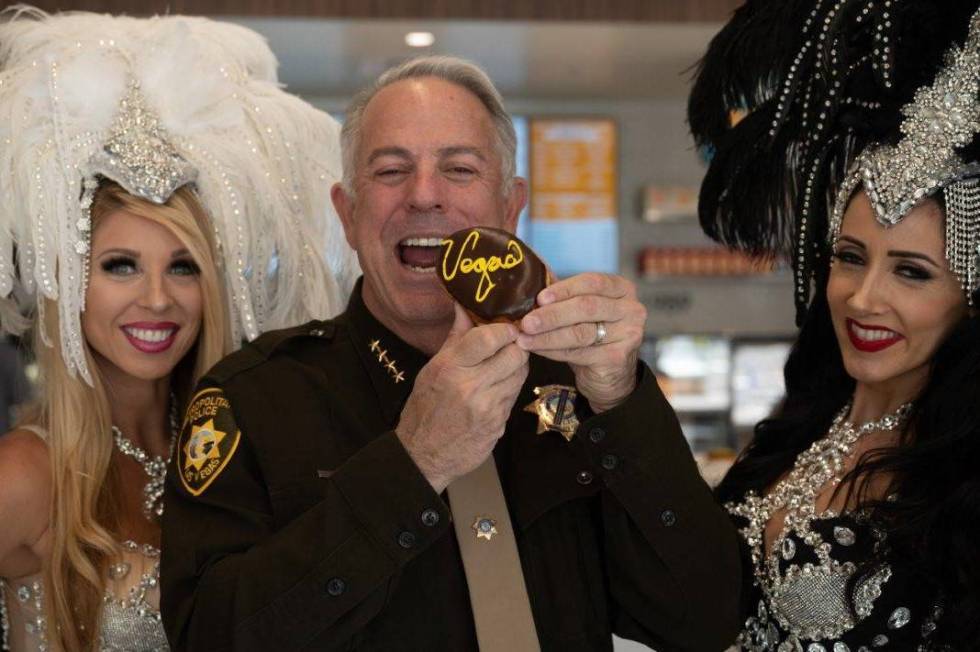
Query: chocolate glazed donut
491, 273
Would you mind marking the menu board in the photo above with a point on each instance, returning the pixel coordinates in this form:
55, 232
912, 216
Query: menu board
573, 198
573, 169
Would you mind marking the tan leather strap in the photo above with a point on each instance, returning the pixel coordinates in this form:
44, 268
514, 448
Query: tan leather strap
501, 609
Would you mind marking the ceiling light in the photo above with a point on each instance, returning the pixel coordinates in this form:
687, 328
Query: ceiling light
420, 39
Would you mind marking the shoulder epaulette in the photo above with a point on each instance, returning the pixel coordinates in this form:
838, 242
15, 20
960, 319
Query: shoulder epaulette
265, 346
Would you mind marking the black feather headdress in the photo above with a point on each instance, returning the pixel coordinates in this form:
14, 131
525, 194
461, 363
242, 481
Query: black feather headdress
818, 81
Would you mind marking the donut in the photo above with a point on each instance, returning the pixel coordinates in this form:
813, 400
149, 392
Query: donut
491, 273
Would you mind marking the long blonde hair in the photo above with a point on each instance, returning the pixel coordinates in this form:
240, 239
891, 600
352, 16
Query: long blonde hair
85, 508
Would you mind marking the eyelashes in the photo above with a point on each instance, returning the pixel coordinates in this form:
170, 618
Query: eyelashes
903, 269
126, 266
119, 265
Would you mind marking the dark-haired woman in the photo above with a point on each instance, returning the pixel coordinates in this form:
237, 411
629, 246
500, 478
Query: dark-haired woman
859, 500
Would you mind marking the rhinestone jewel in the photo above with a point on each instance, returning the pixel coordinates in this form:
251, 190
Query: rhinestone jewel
23, 594
788, 550
841, 647
879, 641
844, 535
899, 618
120, 570
815, 647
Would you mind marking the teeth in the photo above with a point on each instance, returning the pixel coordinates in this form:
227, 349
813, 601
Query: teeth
151, 336
872, 335
421, 242
424, 270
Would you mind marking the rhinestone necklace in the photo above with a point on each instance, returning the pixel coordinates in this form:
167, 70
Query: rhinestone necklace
814, 468
154, 466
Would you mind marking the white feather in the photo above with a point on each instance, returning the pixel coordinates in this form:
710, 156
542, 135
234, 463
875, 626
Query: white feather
265, 159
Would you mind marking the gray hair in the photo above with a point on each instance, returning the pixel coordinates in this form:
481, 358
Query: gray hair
453, 70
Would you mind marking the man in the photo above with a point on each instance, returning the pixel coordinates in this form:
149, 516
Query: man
306, 505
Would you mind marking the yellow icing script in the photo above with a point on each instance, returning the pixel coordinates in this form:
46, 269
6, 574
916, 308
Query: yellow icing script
483, 266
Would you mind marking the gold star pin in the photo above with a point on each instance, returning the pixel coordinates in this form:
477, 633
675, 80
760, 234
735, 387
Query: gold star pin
485, 527
555, 407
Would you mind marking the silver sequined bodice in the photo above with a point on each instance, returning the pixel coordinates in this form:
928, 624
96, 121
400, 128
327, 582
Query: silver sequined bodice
130, 609
804, 603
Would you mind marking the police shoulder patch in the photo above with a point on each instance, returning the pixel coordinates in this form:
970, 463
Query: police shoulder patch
208, 440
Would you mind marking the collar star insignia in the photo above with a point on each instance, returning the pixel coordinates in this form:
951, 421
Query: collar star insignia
485, 527
555, 407
389, 365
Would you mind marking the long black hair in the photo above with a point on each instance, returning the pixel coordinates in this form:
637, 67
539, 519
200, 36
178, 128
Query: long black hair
934, 525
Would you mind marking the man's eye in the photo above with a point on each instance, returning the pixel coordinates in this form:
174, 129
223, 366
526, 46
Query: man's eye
119, 266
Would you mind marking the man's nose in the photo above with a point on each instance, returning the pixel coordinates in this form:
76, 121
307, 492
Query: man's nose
427, 190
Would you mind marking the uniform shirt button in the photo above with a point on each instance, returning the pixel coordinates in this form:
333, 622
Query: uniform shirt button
596, 435
609, 461
430, 518
668, 517
583, 478
406, 540
336, 586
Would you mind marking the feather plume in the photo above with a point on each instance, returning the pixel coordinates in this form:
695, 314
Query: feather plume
265, 160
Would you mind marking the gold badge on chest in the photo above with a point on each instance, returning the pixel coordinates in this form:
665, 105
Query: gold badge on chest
555, 407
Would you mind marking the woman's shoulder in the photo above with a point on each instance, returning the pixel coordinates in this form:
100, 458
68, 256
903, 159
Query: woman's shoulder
25, 475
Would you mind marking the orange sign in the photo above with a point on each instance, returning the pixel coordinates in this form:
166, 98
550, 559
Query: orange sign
573, 169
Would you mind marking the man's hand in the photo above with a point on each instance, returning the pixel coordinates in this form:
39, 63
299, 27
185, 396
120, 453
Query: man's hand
462, 398
565, 326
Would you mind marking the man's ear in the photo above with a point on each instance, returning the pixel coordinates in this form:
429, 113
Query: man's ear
344, 205
516, 201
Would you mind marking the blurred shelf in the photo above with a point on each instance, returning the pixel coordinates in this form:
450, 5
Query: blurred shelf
677, 280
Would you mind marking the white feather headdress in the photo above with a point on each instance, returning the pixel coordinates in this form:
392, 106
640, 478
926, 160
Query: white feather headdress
154, 104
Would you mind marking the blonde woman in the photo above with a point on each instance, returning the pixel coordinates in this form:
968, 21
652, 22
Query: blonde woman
82, 476
165, 200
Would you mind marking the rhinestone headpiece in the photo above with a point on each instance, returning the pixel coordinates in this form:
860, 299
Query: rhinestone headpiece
941, 118
155, 104
138, 153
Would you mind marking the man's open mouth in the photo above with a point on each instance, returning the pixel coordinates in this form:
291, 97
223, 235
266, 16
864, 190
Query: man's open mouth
421, 254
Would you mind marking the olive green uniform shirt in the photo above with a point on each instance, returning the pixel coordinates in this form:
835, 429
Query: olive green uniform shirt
316, 531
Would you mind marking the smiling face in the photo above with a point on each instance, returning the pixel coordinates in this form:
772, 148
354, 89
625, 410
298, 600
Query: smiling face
893, 299
427, 165
144, 300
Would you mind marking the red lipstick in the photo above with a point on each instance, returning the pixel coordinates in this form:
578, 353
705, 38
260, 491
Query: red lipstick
871, 345
151, 336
